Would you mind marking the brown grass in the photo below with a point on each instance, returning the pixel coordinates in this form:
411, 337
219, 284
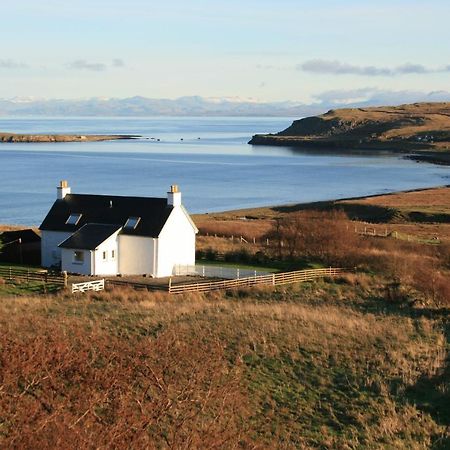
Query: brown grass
137, 370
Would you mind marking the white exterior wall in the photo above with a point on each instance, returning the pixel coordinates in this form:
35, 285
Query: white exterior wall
68, 264
93, 263
50, 252
176, 243
108, 266
137, 255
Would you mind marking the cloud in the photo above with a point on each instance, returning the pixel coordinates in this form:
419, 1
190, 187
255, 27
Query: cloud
117, 62
11, 64
377, 97
334, 67
81, 64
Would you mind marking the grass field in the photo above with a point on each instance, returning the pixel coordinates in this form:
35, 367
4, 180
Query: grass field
321, 365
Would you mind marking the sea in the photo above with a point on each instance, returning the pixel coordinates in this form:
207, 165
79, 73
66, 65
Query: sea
208, 157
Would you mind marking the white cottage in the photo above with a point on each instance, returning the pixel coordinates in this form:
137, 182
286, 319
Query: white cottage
110, 235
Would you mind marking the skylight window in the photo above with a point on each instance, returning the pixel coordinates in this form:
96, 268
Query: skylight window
132, 223
73, 219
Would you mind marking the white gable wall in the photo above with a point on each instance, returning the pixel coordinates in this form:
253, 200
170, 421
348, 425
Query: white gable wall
50, 252
137, 255
110, 265
176, 243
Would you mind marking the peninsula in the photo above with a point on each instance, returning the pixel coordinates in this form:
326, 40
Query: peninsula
13, 137
422, 129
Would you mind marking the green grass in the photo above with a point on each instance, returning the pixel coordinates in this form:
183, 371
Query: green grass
274, 266
323, 365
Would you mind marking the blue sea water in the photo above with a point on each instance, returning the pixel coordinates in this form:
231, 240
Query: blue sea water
209, 159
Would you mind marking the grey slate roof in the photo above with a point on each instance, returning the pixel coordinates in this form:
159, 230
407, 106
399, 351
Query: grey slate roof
110, 210
89, 236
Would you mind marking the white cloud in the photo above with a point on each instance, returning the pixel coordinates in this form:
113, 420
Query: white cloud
335, 67
12, 64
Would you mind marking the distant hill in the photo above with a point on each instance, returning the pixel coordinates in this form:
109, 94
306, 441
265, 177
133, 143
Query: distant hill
142, 106
414, 127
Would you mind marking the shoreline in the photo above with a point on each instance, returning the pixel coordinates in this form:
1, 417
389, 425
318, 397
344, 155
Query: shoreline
318, 202
286, 207
416, 152
44, 138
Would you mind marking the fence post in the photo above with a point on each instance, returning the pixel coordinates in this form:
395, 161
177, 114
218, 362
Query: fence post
237, 273
170, 284
273, 279
65, 279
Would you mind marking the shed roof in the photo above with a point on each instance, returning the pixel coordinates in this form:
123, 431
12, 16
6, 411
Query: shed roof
90, 236
26, 236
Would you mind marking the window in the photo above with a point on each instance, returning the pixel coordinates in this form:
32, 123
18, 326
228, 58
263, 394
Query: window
104, 256
132, 223
78, 257
73, 219
113, 254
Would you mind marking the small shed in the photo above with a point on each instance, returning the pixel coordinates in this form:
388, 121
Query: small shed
20, 247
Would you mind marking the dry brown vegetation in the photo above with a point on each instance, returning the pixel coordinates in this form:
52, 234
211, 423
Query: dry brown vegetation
309, 366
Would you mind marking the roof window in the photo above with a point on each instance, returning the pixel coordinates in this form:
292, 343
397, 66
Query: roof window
132, 223
73, 219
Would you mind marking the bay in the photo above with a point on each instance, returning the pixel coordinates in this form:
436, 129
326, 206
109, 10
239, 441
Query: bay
209, 159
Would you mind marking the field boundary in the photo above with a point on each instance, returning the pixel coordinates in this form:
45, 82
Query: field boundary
23, 275
274, 279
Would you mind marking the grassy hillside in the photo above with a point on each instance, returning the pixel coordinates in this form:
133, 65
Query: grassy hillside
310, 366
418, 127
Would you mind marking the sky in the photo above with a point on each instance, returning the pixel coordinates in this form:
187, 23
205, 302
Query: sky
264, 50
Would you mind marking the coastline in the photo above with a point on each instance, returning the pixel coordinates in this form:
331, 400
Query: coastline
412, 151
289, 207
33, 138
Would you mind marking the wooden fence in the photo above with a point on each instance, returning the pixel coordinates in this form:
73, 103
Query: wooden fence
272, 279
97, 285
52, 280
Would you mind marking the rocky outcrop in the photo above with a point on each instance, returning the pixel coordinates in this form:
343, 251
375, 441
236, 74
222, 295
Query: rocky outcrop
400, 128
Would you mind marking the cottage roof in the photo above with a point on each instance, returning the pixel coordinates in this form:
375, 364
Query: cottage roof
89, 236
109, 210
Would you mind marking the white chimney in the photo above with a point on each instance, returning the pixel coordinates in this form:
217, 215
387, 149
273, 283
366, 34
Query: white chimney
174, 196
62, 190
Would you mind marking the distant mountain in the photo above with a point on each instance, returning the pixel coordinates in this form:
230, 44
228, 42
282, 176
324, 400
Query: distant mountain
210, 106
142, 106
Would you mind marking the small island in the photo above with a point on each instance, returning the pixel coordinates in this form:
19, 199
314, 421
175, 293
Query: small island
422, 129
13, 137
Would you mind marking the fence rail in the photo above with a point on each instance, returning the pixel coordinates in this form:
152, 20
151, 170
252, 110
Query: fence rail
272, 279
216, 271
23, 275
97, 285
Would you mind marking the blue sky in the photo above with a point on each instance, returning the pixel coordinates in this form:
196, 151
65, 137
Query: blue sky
266, 50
